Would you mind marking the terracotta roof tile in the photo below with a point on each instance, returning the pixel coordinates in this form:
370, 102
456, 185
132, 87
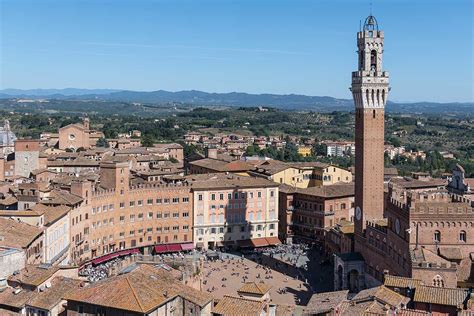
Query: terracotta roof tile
440, 295
237, 306
409, 183
232, 181
141, 290
17, 235
33, 275
329, 191
325, 302
52, 296
9, 299
382, 294
401, 282
62, 198
412, 312
5, 312
255, 288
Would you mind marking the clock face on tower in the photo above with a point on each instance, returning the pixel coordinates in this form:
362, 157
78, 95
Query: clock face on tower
358, 213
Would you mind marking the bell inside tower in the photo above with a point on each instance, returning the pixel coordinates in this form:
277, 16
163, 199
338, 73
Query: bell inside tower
373, 60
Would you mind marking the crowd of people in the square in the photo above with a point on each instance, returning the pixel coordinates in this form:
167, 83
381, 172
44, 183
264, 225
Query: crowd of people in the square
98, 272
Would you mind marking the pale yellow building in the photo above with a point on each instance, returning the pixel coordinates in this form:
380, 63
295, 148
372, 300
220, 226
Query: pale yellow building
302, 174
305, 151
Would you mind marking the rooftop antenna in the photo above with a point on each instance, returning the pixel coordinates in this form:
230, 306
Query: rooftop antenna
370, 7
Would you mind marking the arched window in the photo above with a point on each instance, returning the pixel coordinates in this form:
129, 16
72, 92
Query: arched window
383, 96
373, 60
438, 281
462, 236
367, 96
437, 236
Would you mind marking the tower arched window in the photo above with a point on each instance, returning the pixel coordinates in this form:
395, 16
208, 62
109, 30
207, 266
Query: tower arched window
437, 236
367, 96
462, 236
373, 60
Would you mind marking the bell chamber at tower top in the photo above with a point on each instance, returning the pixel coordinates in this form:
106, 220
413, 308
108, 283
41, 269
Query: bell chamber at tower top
370, 82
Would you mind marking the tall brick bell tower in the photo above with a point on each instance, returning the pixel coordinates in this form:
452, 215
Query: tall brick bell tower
370, 91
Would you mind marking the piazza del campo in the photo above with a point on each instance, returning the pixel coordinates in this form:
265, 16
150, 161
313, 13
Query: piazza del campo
103, 215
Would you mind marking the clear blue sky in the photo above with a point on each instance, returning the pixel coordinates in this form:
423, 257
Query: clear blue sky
256, 46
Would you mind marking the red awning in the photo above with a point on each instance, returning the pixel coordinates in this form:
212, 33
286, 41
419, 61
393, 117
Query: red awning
161, 249
102, 259
113, 255
273, 241
259, 242
126, 252
187, 246
174, 248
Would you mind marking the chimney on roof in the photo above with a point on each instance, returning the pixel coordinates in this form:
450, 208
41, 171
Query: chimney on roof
211, 152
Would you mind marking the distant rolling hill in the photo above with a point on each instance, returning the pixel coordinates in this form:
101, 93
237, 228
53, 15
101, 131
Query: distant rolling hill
200, 98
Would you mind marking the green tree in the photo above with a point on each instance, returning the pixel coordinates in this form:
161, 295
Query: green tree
147, 141
395, 141
252, 151
102, 142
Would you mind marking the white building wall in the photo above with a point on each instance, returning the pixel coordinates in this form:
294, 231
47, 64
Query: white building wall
57, 239
11, 260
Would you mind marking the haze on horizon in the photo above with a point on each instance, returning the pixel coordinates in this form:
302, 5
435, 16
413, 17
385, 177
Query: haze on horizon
281, 46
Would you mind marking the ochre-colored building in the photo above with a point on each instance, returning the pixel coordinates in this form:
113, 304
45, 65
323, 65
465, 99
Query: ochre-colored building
305, 151
302, 174
117, 216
